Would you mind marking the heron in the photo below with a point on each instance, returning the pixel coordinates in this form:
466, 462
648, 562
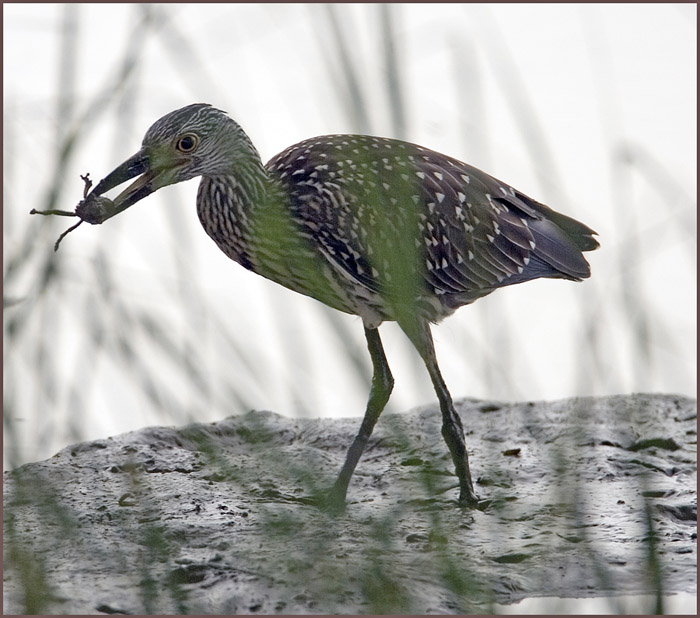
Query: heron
374, 227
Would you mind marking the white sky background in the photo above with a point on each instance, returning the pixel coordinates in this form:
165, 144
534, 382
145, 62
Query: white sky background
589, 109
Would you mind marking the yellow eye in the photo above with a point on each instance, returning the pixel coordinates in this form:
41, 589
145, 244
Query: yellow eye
187, 143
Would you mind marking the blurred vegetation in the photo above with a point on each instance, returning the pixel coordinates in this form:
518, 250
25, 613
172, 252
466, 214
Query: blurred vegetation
87, 330
84, 330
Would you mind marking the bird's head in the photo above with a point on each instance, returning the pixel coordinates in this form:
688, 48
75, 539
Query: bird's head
192, 141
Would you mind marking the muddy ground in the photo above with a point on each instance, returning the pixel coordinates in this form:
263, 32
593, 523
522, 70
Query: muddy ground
586, 497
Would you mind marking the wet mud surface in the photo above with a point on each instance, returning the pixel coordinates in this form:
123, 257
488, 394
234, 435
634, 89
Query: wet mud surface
583, 497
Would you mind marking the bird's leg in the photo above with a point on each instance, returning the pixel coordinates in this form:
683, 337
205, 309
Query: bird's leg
418, 332
382, 384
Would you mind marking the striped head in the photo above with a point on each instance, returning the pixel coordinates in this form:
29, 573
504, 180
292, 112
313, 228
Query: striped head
196, 140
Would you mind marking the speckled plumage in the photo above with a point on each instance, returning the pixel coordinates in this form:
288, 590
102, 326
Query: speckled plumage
355, 198
470, 232
375, 227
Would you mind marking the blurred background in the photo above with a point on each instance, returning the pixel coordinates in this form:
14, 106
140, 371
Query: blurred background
590, 109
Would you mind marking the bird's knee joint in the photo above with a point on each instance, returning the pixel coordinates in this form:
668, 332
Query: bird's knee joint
389, 383
383, 382
453, 434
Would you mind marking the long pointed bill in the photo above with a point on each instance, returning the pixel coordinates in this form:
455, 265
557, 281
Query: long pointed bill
133, 166
95, 208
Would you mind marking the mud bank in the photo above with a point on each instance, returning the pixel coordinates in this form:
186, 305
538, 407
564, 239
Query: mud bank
588, 497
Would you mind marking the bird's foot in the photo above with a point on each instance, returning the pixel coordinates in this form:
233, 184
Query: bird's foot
331, 501
468, 498
471, 501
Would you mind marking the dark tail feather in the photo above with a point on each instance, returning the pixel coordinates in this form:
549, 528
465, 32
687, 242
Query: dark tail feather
579, 234
559, 241
559, 250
